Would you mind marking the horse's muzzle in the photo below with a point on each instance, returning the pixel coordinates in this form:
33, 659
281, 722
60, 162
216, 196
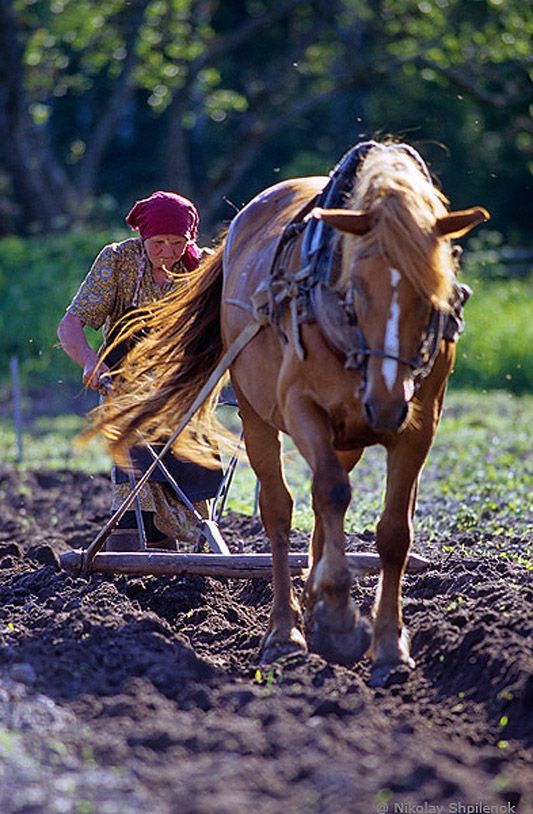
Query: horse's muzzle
385, 417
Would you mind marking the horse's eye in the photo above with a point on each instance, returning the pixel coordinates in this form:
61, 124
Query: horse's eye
360, 300
361, 295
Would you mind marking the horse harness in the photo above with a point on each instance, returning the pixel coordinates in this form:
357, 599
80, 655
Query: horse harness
309, 294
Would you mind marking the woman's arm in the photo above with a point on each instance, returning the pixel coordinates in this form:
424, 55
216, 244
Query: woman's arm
74, 343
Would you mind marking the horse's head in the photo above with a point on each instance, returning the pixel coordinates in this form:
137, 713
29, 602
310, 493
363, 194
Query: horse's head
398, 269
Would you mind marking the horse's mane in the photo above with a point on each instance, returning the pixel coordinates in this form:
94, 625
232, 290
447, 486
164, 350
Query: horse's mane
404, 205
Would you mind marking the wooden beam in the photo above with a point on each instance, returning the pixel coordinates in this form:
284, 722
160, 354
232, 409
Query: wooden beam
234, 566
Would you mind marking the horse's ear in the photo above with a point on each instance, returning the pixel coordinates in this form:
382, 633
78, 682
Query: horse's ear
355, 223
457, 224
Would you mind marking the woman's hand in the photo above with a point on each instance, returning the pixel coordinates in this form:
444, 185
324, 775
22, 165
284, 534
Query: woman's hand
94, 371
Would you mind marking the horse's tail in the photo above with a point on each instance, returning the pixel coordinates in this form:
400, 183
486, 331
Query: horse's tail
165, 371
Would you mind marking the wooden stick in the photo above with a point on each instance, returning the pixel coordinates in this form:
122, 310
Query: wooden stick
234, 566
17, 406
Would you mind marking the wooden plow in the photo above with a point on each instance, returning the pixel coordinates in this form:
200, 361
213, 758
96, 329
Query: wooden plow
220, 563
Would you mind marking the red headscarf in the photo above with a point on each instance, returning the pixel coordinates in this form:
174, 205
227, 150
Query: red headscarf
166, 213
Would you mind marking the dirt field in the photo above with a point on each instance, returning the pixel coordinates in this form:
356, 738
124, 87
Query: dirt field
143, 695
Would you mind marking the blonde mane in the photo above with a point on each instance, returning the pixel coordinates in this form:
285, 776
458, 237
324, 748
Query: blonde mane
404, 206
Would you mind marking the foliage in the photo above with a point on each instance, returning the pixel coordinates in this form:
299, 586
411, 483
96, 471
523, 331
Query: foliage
52, 442
494, 351
96, 81
38, 277
475, 488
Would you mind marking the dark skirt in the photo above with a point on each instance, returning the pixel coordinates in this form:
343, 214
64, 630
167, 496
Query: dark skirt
198, 482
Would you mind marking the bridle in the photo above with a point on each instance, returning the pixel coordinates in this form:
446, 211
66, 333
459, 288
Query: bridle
337, 319
420, 364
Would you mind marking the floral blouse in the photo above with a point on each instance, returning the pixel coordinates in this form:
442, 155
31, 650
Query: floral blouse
119, 279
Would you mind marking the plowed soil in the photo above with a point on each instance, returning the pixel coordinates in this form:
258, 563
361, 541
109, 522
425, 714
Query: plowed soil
123, 695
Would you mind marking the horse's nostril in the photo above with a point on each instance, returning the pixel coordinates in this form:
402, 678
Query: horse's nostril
386, 417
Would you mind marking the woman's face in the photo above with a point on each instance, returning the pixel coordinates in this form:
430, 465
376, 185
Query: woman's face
165, 250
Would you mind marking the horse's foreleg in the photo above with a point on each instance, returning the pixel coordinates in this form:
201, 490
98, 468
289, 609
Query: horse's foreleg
275, 504
332, 618
390, 643
347, 459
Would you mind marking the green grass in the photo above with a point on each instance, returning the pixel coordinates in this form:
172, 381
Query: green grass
479, 477
496, 346
475, 488
475, 491
52, 443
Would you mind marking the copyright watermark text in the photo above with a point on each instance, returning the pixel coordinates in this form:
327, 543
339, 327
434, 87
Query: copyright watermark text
454, 807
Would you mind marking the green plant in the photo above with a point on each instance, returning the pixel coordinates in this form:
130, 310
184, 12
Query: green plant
496, 349
54, 444
38, 277
475, 487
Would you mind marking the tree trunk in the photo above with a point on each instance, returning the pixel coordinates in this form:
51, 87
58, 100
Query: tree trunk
179, 170
42, 190
122, 92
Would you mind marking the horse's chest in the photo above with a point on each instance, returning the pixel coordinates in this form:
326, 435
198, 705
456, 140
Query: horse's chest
350, 428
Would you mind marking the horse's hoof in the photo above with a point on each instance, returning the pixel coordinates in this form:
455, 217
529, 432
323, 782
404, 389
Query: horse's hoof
275, 648
385, 675
346, 647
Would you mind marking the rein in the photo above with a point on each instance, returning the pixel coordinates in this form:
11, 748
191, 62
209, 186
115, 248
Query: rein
309, 295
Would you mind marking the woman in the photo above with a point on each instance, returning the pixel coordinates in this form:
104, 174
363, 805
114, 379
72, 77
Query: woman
123, 277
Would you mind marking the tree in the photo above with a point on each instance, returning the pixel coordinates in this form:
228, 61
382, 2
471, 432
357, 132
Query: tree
208, 95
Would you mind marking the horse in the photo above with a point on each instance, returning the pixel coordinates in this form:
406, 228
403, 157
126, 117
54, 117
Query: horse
392, 284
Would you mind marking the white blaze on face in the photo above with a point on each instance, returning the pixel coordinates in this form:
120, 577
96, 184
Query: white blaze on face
392, 333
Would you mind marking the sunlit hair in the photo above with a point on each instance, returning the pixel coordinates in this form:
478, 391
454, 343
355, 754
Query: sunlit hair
404, 206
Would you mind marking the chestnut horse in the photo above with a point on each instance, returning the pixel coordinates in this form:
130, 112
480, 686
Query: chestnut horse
393, 266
